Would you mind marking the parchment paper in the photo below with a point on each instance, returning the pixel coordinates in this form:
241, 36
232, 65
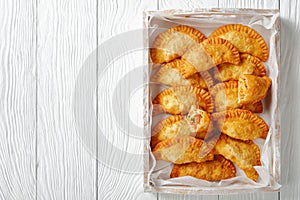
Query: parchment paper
266, 23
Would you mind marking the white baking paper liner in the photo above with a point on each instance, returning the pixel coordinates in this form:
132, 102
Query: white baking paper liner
266, 23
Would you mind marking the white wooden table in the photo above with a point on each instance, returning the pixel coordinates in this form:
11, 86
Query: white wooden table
43, 46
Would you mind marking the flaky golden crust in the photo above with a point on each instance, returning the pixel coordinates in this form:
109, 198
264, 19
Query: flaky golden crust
208, 54
170, 74
180, 99
182, 150
251, 173
172, 43
215, 170
252, 88
245, 154
192, 32
195, 125
225, 97
169, 128
249, 65
255, 107
241, 124
245, 39
221, 51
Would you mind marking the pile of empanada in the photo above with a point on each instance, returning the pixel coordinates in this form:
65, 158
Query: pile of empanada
215, 87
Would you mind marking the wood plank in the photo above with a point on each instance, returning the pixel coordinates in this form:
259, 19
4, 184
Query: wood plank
66, 37
17, 99
269, 4
251, 196
187, 4
290, 110
186, 197
120, 142
190, 4
266, 4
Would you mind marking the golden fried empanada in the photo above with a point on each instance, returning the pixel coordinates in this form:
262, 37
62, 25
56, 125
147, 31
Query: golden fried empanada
245, 154
252, 88
196, 124
241, 124
249, 65
215, 170
208, 54
180, 99
183, 150
245, 39
170, 74
225, 97
172, 43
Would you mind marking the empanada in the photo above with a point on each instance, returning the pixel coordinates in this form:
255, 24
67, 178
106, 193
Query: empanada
180, 99
183, 150
252, 88
245, 154
215, 170
241, 124
195, 124
170, 74
249, 65
245, 39
172, 43
225, 97
208, 54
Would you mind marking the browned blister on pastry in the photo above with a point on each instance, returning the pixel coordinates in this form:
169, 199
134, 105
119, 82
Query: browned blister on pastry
179, 100
208, 54
196, 124
249, 65
225, 97
245, 39
252, 88
218, 169
172, 43
183, 150
245, 154
241, 124
170, 74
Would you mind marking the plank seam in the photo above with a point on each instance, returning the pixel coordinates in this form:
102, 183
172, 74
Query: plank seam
97, 62
279, 44
36, 98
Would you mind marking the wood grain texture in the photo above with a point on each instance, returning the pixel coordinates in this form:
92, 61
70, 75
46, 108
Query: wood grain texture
66, 36
186, 197
120, 143
190, 4
259, 4
290, 110
17, 99
269, 4
251, 196
187, 4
